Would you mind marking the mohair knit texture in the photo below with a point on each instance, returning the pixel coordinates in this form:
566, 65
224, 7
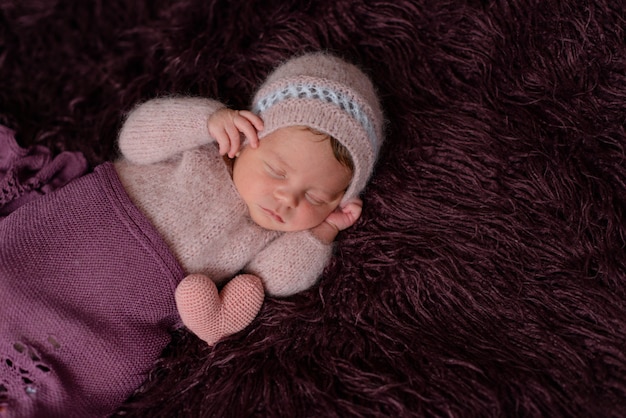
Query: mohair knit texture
330, 95
172, 170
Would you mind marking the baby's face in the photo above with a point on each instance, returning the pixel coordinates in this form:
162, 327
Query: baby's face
292, 181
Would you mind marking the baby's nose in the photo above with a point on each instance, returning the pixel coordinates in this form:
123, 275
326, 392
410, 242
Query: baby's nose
287, 197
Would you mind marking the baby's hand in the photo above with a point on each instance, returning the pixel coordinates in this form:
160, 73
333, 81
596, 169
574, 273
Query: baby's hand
346, 215
341, 218
227, 125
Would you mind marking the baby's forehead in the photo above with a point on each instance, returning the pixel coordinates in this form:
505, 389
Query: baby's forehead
305, 128
302, 132
300, 150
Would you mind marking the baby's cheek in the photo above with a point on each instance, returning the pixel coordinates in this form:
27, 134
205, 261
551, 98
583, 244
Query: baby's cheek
324, 212
311, 216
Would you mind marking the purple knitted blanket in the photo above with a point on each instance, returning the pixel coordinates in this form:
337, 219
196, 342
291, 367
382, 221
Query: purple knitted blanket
86, 300
26, 173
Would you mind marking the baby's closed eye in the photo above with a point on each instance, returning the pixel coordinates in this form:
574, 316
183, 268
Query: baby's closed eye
274, 171
315, 200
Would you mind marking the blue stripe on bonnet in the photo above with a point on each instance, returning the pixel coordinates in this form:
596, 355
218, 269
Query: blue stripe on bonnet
320, 92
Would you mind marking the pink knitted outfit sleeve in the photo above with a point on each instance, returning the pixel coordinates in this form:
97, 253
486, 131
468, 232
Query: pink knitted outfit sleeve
291, 264
161, 128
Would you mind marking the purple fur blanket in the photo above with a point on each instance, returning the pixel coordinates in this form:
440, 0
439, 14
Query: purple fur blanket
487, 275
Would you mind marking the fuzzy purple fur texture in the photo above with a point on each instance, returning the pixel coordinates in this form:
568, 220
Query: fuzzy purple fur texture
487, 275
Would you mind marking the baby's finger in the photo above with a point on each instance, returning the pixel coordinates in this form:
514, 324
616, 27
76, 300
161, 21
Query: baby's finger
254, 119
234, 140
352, 210
353, 201
249, 131
221, 137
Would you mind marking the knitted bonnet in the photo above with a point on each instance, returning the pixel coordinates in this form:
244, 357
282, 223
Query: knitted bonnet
323, 92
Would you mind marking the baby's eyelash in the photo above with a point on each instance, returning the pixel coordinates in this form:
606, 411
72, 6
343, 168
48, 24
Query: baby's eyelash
314, 200
275, 172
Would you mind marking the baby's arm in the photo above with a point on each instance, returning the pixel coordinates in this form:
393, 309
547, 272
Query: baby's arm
294, 261
161, 128
291, 264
